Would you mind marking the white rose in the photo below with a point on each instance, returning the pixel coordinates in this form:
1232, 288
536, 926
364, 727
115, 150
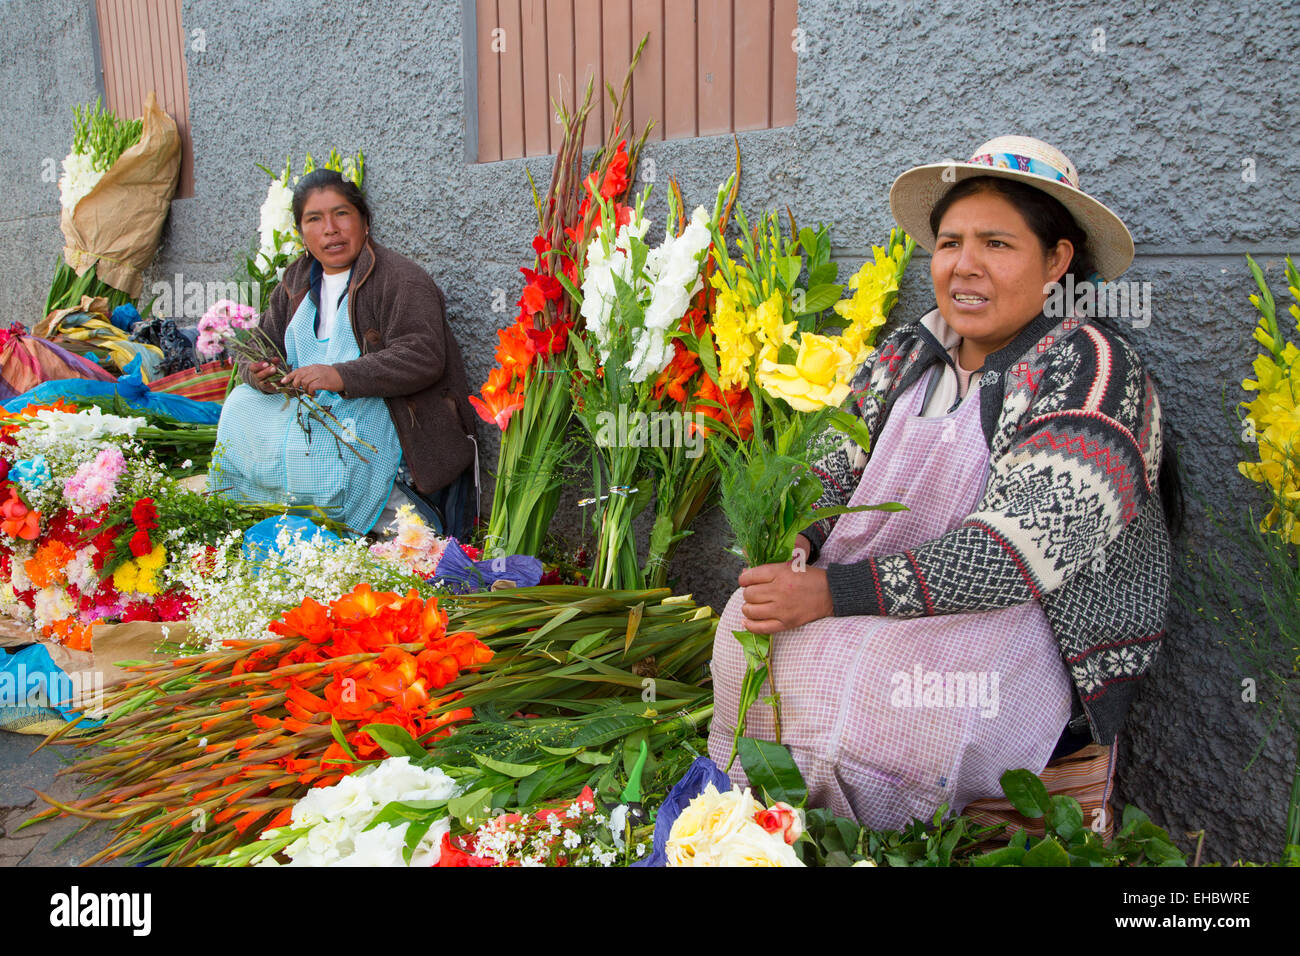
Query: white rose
751, 845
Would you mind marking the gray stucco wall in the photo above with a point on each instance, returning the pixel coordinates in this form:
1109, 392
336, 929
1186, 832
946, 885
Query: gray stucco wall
1159, 119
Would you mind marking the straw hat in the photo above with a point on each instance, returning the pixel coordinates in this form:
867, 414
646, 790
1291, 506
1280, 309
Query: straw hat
915, 193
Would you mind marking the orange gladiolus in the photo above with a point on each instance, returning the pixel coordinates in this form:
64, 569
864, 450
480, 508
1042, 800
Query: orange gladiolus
677, 374
498, 402
733, 409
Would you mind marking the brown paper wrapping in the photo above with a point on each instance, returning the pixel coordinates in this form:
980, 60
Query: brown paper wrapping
116, 226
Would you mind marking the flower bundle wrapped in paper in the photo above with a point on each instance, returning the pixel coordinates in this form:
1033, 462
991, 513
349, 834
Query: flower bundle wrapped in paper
115, 191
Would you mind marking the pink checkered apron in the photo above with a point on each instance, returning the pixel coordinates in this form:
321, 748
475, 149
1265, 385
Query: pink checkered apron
887, 717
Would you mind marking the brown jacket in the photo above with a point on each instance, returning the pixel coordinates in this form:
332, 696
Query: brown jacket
408, 355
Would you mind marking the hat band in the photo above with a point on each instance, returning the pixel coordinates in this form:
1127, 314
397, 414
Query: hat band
1024, 164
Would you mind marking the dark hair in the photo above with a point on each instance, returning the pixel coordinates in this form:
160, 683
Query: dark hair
1046, 217
319, 179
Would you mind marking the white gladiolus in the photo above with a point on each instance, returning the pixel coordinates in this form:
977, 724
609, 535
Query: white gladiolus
79, 177
275, 216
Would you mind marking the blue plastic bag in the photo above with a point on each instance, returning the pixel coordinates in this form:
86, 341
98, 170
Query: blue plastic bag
260, 539
131, 387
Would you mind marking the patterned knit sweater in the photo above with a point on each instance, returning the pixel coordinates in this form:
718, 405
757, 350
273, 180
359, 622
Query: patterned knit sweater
1071, 516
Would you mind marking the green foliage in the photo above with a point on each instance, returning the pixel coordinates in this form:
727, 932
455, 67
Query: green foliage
101, 134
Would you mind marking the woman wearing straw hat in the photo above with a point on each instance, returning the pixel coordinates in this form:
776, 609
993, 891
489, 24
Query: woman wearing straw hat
1006, 618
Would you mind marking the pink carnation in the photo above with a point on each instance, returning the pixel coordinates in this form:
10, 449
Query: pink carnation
95, 483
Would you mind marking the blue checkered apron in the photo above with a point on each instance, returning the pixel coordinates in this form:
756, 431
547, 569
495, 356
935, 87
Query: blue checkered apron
268, 450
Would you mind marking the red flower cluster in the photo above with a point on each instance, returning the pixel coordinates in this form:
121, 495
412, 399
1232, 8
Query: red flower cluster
539, 328
415, 655
144, 515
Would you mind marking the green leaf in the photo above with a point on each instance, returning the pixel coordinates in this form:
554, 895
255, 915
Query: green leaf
708, 357
1026, 793
604, 729
559, 751
819, 298
824, 273
585, 643
397, 813
502, 767
755, 646
538, 786
472, 808
1164, 853
849, 424
594, 757
395, 741
830, 512
414, 834
1003, 856
337, 733
788, 269
1065, 816
772, 771
1047, 852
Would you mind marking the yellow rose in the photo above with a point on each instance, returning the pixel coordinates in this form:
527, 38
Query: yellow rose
818, 378
751, 845
706, 822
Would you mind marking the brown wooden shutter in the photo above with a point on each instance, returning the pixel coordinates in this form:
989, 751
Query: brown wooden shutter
142, 48
710, 67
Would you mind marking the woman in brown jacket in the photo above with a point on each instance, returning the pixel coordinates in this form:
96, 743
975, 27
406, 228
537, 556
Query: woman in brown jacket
364, 331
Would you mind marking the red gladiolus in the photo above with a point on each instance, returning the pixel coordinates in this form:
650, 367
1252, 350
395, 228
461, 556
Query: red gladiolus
551, 340
733, 409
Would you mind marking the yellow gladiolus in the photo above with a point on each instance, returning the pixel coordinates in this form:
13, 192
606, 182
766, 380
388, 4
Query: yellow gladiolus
819, 376
734, 341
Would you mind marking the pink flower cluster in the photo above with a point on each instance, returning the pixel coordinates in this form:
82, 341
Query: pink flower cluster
95, 482
219, 322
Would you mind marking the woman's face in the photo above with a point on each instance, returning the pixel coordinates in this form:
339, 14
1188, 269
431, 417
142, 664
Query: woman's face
333, 230
989, 271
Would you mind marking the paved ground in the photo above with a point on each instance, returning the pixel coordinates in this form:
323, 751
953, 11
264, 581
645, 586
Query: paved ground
58, 843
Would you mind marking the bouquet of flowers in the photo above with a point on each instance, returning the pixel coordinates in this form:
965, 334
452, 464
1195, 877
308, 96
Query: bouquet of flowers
350, 824
527, 395
115, 191
731, 828
80, 542
218, 323
768, 336
99, 138
1273, 417
633, 299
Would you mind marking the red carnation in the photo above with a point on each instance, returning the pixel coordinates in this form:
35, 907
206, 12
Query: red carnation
145, 514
